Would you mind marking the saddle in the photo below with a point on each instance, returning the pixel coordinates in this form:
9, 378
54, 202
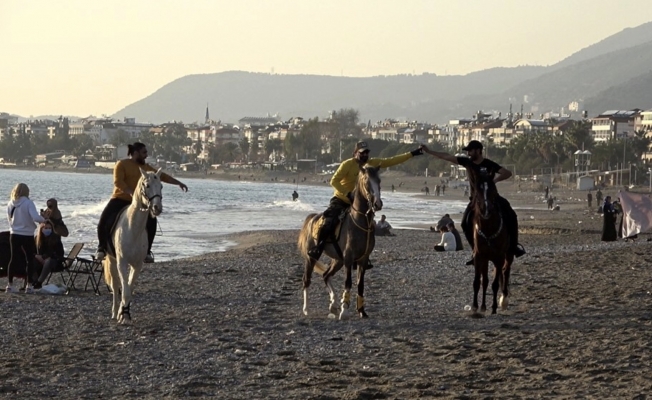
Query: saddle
321, 221
112, 223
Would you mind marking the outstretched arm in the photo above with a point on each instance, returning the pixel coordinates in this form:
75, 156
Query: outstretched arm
502, 175
441, 155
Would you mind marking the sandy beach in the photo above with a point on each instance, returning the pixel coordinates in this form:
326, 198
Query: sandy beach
229, 325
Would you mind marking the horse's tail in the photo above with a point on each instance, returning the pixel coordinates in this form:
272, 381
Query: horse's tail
305, 236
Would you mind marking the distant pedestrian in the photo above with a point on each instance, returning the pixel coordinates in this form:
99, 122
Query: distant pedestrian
393, 189
589, 199
598, 197
609, 233
427, 190
547, 192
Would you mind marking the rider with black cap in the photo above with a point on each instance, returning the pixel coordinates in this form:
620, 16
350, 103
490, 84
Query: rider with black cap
343, 181
483, 165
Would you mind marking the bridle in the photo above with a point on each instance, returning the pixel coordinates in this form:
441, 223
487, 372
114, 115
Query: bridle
485, 215
146, 206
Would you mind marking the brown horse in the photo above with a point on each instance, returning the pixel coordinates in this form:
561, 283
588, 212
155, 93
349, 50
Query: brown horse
491, 243
356, 241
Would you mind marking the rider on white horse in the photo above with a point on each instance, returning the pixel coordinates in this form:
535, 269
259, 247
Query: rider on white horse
125, 178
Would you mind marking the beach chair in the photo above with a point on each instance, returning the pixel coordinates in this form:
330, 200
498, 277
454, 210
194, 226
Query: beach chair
90, 267
65, 270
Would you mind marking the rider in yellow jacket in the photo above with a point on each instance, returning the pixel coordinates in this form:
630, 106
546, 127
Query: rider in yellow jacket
343, 181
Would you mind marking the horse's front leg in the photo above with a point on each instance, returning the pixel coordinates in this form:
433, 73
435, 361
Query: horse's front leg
504, 282
476, 285
346, 296
496, 285
485, 284
123, 271
362, 267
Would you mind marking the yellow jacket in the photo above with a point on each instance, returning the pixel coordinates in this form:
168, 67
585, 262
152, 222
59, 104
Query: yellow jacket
126, 175
344, 179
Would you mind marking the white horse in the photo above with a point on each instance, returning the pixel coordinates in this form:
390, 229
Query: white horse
130, 242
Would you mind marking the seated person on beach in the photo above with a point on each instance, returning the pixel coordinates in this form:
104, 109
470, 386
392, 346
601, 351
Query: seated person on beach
458, 239
49, 252
445, 220
383, 227
54, 215
447, 240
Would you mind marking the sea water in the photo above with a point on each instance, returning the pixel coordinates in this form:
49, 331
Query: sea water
196, 222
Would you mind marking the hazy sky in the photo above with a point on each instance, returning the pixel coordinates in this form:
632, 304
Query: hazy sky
82, 57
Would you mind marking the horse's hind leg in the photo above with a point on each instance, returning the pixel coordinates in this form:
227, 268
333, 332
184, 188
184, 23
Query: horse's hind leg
333, 310
307, 274
360, 299
115, 285
348, 282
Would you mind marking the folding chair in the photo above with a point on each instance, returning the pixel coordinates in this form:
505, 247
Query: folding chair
88, 267
68, 264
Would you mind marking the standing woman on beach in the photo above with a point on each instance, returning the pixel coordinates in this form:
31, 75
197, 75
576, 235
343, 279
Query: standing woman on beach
22, 217
609, 233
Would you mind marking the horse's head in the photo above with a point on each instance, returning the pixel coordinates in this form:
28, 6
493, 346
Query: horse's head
150, 192
485, 192
369, 187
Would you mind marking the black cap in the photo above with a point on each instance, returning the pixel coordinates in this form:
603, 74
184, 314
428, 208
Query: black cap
361, 147
473, 144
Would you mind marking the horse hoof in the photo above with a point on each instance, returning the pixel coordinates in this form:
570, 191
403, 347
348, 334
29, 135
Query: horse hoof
332, 316
305, 312
503, 302
363, 314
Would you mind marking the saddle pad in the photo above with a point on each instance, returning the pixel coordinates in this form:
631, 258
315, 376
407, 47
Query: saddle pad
318, 223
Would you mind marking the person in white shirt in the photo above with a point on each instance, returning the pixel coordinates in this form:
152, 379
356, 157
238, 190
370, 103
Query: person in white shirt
447, 240
22, 217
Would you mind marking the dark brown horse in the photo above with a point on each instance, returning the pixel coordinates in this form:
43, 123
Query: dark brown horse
491, 243
356, 241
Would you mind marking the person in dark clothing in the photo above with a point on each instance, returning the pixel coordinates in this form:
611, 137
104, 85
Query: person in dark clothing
609, 216
483, 165
589, 199
458, 239
49, 252
295, 196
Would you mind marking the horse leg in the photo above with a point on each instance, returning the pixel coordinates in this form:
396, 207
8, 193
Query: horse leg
309, 266
485, 284
496, 284
476, 283
115, 286
362, 267
346, 296
133, 275
123, 271
332, 308
504, 282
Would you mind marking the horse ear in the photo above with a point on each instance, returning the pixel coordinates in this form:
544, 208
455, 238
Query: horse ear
143, 173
